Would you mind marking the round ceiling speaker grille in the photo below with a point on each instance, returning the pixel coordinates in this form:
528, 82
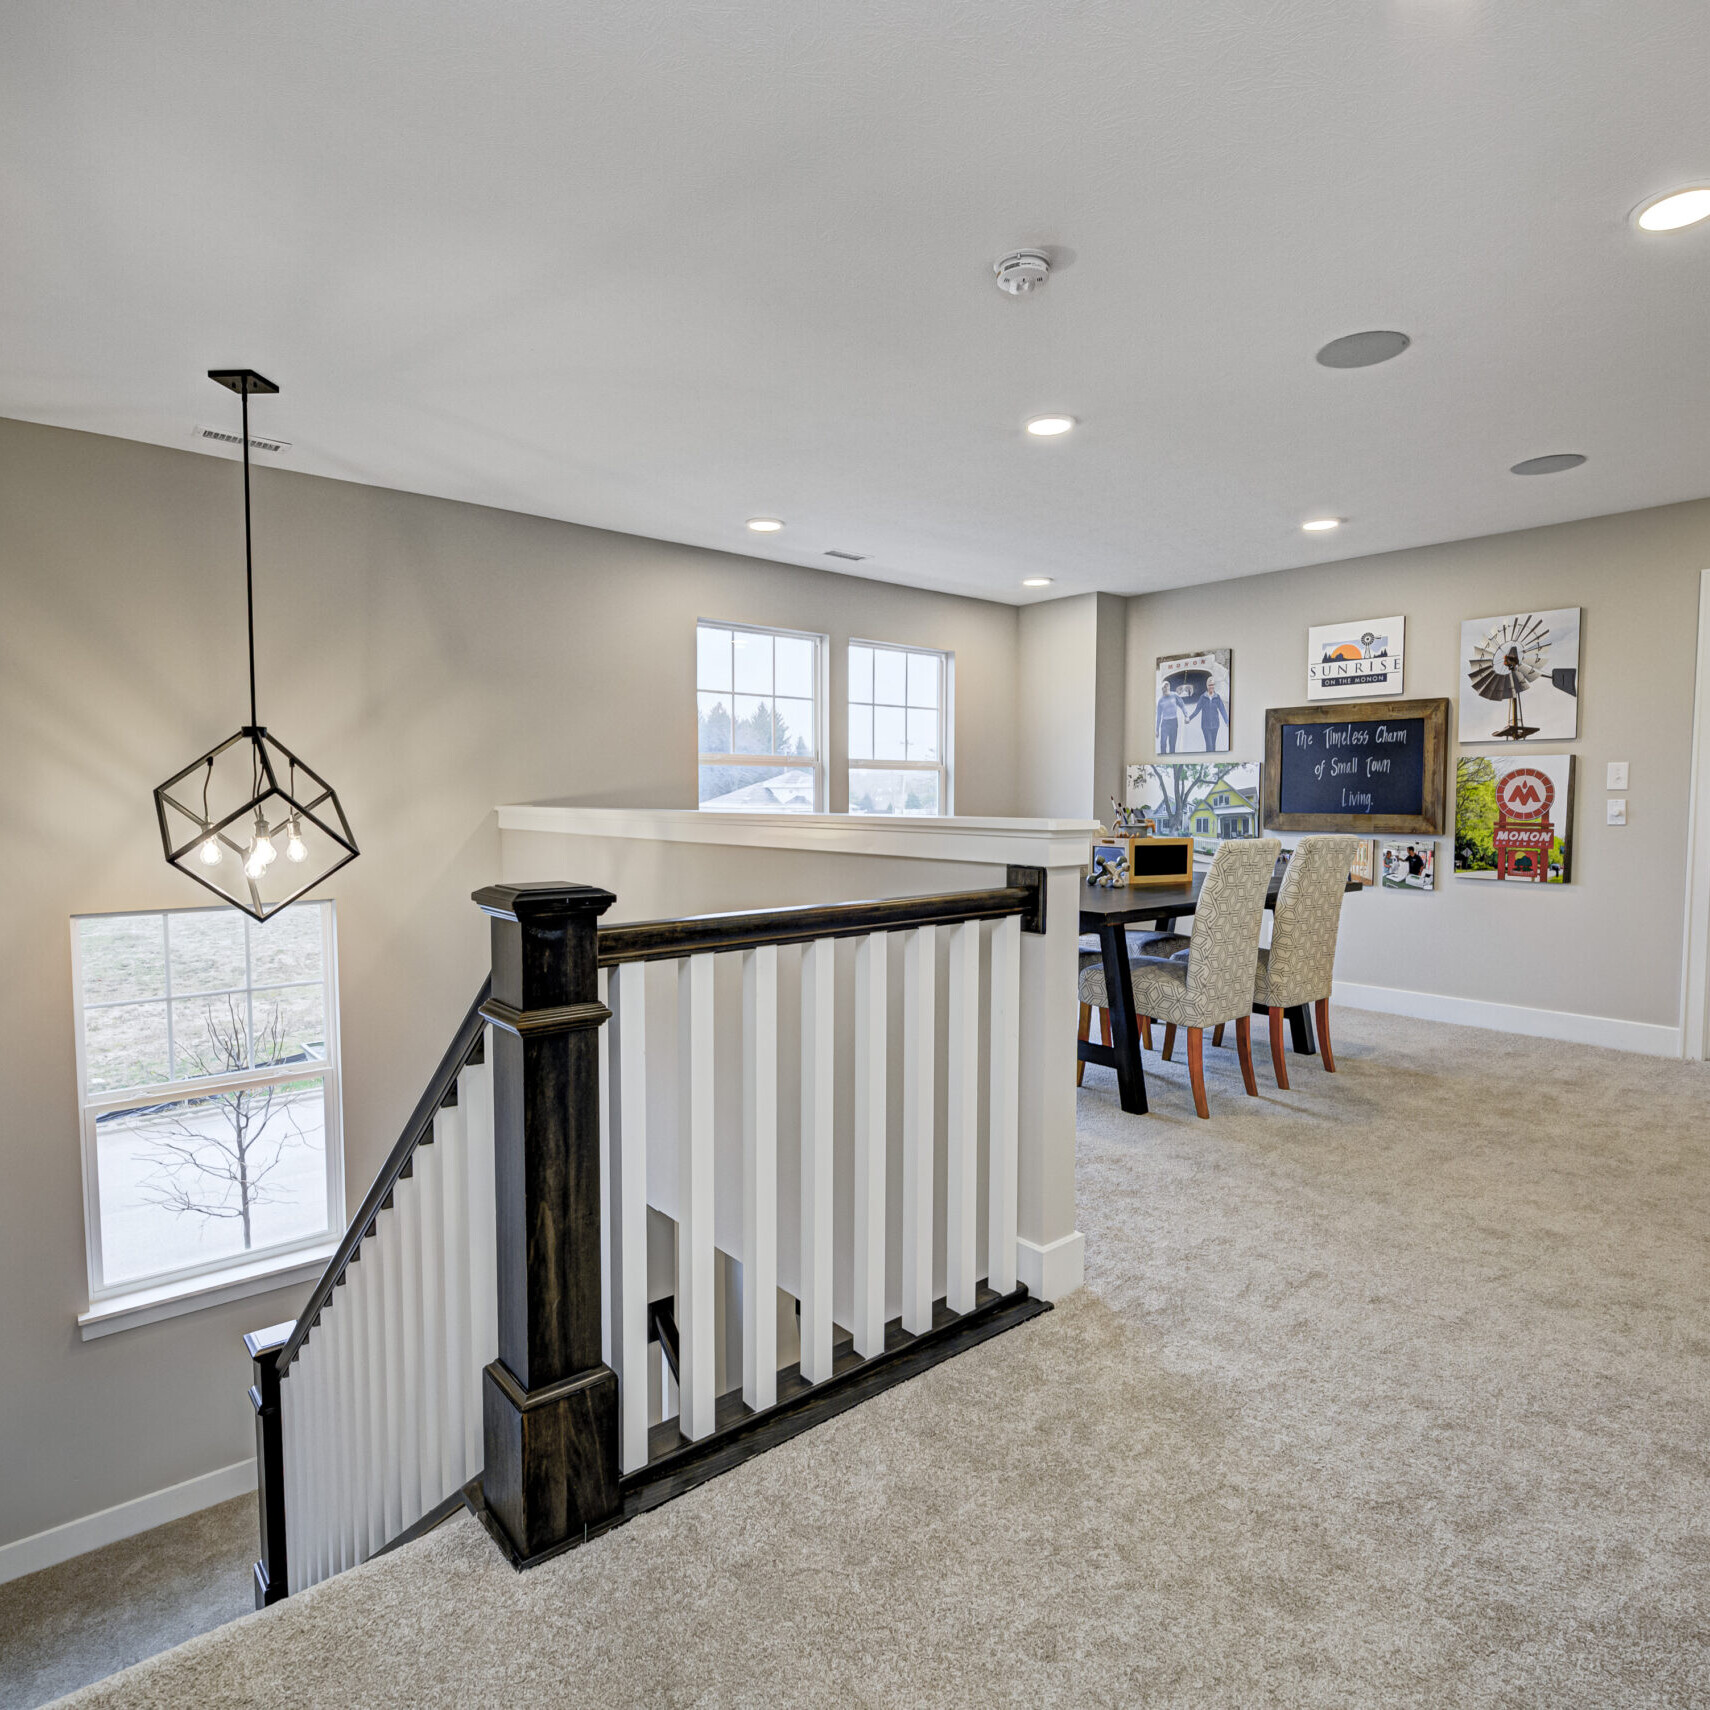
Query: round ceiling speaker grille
1554, 464
1362, 349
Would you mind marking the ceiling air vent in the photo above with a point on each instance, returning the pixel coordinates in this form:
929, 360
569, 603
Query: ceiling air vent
852, 557
220, 436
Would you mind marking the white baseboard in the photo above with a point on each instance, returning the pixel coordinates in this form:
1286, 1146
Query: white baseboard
124, 1520
1053, 1270
1648, 1038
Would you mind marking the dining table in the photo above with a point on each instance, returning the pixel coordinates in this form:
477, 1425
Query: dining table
1109, 911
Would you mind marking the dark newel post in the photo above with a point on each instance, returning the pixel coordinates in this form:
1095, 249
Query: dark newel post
549, 1402
264, 1346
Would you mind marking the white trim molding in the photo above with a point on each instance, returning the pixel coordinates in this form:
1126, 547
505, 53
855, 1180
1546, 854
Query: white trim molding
1695, 963
1024, 842
1054, 1270
124, 1520
1647, 1038
234, 1282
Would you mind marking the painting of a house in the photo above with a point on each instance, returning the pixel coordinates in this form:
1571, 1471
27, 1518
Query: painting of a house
1227, 811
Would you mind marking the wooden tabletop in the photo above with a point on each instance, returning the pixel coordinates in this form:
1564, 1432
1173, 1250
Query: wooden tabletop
1135, 905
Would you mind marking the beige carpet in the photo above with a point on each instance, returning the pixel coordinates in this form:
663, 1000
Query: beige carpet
1390, 1391
79, 1621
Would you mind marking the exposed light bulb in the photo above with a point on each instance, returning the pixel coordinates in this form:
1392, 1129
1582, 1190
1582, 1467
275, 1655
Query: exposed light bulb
262, 854
210, 851
295, 848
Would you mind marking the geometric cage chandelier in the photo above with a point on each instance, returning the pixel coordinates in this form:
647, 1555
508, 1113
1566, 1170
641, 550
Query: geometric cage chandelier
249, 820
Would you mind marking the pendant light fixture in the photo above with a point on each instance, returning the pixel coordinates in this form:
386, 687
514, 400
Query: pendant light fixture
249, 820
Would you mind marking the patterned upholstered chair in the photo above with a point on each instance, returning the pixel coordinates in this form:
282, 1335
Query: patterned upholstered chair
1212, 983
1297, 967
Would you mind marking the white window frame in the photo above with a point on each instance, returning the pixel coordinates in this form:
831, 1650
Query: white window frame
230, 1276
817, 762
945, 765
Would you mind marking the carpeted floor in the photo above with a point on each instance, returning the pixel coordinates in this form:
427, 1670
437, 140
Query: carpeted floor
1394, 1390
80, 1621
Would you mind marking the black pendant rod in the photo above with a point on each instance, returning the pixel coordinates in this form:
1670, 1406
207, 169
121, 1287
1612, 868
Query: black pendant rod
248, 559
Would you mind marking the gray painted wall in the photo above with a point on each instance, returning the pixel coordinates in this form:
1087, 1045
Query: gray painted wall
1057, 684
434, 659
1609, 944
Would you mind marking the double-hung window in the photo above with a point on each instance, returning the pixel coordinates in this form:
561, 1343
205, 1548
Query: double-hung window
899, 730
207, 1063
759, 710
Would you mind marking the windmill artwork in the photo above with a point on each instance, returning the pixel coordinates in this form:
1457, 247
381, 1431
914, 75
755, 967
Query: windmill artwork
1521, 677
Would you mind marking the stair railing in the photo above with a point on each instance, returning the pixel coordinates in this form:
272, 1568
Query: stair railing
557, 1316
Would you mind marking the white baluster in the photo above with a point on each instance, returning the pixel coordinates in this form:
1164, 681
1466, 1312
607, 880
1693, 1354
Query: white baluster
429, 1169
869, 1254
304, 1545
356, 1310
760, 1175
399, 1422
696, 1351
291, 1428
962, 1083
407, 1203
337, 1325
626, 1178
454, 1172
1005, 1102
483, 1261
920, 999
374, 1384
324, 1470
819, 1041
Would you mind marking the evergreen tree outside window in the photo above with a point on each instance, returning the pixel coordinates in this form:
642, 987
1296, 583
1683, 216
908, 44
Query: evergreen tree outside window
758, 704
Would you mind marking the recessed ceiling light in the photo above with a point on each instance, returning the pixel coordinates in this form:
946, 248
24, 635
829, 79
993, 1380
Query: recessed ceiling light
1678, 208
1362, 349
1046, 426
1554, 464
764, 525
1321, 525
1037, 581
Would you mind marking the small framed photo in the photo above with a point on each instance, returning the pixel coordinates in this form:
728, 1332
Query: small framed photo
1408, 865
1364, 871
1109, 865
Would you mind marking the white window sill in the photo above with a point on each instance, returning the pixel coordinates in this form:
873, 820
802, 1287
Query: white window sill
172, 1300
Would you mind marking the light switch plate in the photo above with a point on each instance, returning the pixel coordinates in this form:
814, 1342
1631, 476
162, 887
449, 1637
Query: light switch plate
1617, 776
1615, 808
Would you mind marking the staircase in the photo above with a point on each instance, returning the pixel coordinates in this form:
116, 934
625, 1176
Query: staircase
574, 1290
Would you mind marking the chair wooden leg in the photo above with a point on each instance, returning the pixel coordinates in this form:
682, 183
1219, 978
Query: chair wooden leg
1321, 1013
1169, 1039
1244, 1046
1196, 1069
1086, 1023
1217, 1034
1104, 1025
1279, 1063
1146, 1031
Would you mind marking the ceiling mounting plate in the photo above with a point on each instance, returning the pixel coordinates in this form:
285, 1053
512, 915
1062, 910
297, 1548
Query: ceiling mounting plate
242, 380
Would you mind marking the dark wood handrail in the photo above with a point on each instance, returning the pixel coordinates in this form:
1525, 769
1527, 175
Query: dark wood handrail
462, 1047
662, 940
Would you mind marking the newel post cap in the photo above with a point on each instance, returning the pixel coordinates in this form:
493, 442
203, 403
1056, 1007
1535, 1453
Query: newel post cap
523, 903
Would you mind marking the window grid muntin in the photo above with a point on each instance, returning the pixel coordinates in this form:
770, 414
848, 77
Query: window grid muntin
326, 1070
814, 761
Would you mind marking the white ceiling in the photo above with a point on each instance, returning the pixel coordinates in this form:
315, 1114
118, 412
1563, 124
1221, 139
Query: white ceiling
661, 266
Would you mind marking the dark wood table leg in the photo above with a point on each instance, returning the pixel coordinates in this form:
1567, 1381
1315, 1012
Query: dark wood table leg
1300, 1031
1124, 1025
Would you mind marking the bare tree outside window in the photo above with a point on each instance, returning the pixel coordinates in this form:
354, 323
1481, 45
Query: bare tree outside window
220, 1165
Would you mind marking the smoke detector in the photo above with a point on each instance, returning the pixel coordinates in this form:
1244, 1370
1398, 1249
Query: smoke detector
1026, 270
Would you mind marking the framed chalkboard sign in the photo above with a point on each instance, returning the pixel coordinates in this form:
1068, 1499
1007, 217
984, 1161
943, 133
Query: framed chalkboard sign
1357, 766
